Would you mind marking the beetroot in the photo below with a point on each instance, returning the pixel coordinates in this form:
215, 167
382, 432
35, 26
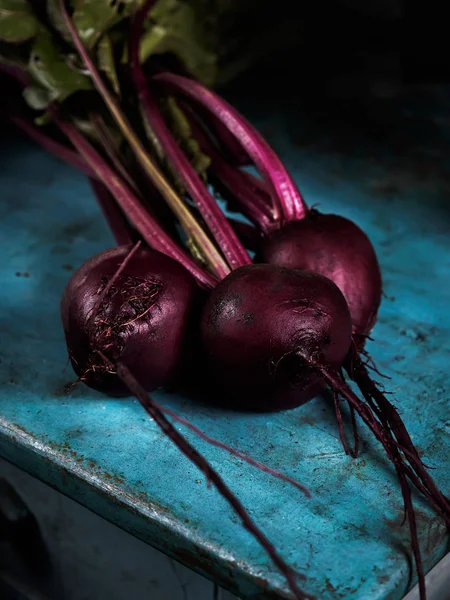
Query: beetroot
258, 324
141, 317
336, 248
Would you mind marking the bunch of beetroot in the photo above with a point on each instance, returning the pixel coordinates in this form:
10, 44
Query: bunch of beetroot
276, 331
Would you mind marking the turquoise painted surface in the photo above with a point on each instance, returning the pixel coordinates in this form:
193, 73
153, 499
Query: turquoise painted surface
347, 540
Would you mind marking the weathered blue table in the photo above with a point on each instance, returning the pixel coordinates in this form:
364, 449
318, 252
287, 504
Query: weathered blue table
347, 540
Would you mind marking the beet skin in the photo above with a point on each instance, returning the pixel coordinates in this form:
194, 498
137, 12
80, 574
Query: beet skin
262, 328
143, 321
338, 249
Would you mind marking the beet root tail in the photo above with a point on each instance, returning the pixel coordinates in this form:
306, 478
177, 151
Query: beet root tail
353, 452
391, 419
211, 475
233, 451
384, 435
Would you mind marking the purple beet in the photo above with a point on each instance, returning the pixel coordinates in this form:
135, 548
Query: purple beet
338, 249
260, 328
140, 317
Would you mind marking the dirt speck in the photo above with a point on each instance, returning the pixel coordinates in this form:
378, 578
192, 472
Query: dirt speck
421, 337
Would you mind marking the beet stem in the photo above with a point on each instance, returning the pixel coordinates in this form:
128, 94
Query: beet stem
249, 235
248, 191
237, 186
110, 147
179, 208
213, 442
220, 228
228, 144
288, 200
148, 227
211, 475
